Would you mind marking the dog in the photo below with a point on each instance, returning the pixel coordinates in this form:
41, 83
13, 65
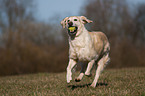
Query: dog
87, 47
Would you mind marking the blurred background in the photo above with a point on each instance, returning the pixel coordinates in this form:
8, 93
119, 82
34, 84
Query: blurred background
32, 39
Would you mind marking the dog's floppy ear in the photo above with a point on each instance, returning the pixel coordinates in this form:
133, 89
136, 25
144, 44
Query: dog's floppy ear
63, 22
85, 20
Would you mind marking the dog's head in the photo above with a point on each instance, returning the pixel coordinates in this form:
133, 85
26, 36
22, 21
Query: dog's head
74, 24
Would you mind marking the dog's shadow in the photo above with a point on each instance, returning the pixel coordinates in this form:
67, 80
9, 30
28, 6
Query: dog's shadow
86, 85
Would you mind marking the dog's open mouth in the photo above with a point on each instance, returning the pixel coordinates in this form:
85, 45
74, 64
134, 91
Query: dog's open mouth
72, 30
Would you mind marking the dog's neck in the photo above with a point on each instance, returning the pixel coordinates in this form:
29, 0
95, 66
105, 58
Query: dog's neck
83, 36
82, 31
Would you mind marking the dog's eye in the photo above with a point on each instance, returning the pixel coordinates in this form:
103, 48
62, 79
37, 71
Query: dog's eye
68, 20
75, 19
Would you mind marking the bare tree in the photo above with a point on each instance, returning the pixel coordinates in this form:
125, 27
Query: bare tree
27, 45
124, 28
139, 20
13, 11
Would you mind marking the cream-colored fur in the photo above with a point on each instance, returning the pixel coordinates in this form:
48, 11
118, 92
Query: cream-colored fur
87, 47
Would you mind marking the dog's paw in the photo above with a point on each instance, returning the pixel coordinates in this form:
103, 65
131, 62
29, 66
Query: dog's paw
93, 85
88, 75
77, 80
69, 80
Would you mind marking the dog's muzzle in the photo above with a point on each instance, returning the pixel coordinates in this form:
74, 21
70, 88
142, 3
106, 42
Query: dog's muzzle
72, 30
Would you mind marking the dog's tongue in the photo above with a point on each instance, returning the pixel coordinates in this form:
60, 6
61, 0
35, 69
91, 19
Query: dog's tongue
71, 31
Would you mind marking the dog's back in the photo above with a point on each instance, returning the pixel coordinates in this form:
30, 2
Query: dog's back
100, 42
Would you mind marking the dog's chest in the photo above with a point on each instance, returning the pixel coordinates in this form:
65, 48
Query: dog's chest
83, 50
84, 54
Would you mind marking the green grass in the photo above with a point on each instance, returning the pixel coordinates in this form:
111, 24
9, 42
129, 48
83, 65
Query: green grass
121, 82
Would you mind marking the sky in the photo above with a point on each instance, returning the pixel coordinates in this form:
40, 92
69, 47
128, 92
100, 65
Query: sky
47, 9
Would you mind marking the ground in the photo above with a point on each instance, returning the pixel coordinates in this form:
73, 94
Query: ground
113, 82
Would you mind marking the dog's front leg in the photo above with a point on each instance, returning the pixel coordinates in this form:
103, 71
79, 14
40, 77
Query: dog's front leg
89, 68
83, 68
70, 66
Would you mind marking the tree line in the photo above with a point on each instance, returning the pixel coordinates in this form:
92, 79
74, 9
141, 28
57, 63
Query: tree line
29, 46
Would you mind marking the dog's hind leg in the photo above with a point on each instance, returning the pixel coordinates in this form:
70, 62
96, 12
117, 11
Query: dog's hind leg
101, 64
89, 68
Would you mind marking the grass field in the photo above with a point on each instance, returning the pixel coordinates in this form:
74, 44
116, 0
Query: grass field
121, 82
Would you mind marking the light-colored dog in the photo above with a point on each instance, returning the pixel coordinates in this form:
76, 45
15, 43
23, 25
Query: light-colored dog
87, 47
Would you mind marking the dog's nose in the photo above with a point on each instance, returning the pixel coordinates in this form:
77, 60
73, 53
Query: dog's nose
70, 23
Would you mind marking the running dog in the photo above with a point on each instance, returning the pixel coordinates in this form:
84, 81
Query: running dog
87, 47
